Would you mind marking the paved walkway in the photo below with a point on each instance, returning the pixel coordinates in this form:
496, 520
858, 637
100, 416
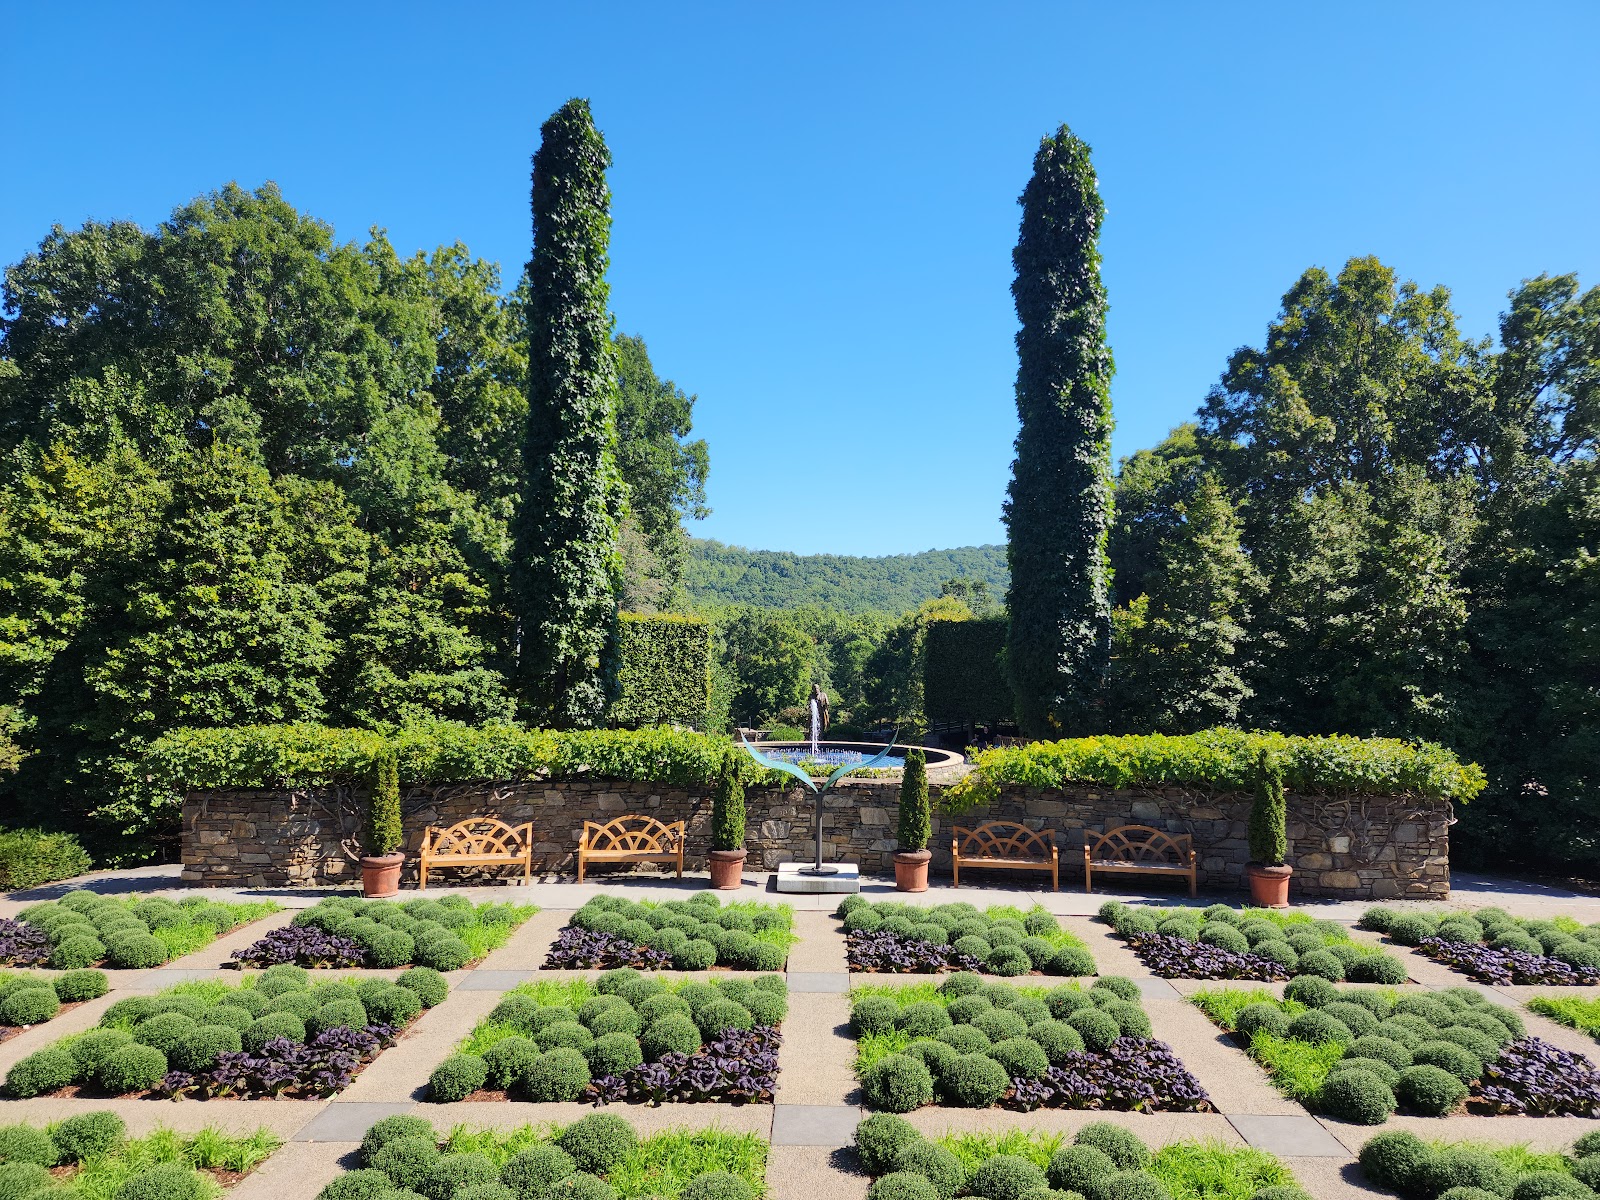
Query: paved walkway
817, 1104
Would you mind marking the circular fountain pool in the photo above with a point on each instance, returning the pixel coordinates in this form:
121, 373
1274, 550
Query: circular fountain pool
837, 754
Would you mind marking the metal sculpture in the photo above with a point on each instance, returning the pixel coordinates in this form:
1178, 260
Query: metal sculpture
789, 768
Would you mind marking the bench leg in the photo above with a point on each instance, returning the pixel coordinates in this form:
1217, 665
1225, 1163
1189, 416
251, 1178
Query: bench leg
527, 867
1088, 883
955, 872
680, 862
1192, 885
422, 875
1055, 877
580, 866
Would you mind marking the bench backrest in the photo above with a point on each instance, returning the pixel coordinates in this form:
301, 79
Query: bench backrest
1002, 839
1138, 844
634, 831
482, 835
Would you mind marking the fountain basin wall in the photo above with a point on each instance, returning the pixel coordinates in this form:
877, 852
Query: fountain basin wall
1354, 847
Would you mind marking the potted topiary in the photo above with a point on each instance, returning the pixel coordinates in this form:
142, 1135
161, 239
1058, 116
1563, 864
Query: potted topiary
383, 837
1269, 837
911, 857
727, 828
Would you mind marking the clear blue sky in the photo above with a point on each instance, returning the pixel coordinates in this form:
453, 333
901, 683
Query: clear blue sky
815, 204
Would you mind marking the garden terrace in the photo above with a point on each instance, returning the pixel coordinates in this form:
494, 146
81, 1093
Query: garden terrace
28, 998
1492, 946
970, 1044
1360, 1054
90, 1154
599, 1157
279, 1034
1221, 942
623, 1037
85, 929
696, 934
446, 934
1100, 1162
999, 940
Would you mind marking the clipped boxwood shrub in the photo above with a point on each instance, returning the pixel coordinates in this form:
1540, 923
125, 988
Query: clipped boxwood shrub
898, 1083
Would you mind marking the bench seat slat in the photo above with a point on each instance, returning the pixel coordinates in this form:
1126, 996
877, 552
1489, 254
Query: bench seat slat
1007, 845
1137, 841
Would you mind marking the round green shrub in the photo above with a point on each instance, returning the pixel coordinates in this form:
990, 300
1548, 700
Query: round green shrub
363, 1184
924, 1019
1001, 934
1131, 921
1005, 1177
42, 1071
1262, 1017
1537, 1185
873, 1014
1428, 1008
563, 1034
131, 1068
1071, 960
444, 953
964, 1009
1375, 1046
1587, 1172
198, 1050
961, 983
619, 1020
448, 1174
25, 1144
663, 1005
718, 1185
581, 1187
456, 1078
673, 1033
1459, 1061
1064, 1001
1311, 990
1021, 1057
29, 1005
934, 1163
1429, 1090
1358, 1019
902, 1185
1315, 1025
406, 1160
1476, 1042
974, 1081
430, 986
998, 1024
26, 1181
1409, 929
719, 1017
1121, 1146
1358, 1097
133, 951
392, 1129
1136, 1185
392, 1005
338, 1014
87, 1135
1056, 1038
90, 1049
879, 1140
274, 1025
302, 1004
1224, 937
516, 1010
1378, 1067
508, 1060
1463, 1167
897, 1083
560, 1075
1282, 1191
1119, 986
974, 947
598, 1142
76, 952
1130, 1018
1008, 960
1280, 952
1392, 1159
696, 954
964, 1039
1098, 1029
1086, 1170
281, 978
1323, 963
767, 1008
614, 1053
226, 1014
165, 1181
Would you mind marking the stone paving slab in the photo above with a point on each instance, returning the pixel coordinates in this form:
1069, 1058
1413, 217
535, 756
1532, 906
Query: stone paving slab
819, 981
348, 1121
817, 1058
298, 1171
809, 1173
828, 1125
1286, 1136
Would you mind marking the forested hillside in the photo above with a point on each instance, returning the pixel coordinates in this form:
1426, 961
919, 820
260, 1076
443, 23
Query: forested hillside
895, 583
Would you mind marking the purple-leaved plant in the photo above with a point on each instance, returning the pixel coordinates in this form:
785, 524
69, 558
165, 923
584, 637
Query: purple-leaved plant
881, 950
588, 948
1533, 1078
304, 945
22, 945
738, 1067
1491, 965
1131, 1075
319, 1067
1179, 958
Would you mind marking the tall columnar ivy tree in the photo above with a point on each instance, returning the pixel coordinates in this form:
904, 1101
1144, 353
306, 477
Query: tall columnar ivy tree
383, 833
915, 822
566, 530
1058, 508
727, 807
1268, 830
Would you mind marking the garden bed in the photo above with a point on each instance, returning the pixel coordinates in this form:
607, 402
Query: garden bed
597, 1158
1575, 1012
28, 999
344, 931
1492, 946
86, 929
1360, 1054
972, 1044
1001, 940
91, 1155
623, 1037
1101, 1162
1400, 1161
687, 935
275, 1035
1261, 944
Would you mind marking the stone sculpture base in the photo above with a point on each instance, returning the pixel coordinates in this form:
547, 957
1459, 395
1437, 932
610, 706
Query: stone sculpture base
791, 878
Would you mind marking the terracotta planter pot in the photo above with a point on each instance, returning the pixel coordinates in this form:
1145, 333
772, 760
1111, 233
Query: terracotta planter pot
911, 870
381, 876
727, 869
1269, 886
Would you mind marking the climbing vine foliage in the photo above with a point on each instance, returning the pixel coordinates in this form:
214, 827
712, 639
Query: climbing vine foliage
1058, 508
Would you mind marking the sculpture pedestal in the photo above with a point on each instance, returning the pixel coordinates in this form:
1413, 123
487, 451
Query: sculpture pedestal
846, 877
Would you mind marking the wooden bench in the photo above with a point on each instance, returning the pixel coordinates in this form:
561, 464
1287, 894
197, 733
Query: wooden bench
1138, 850
632, 838
475, 842
1007, 845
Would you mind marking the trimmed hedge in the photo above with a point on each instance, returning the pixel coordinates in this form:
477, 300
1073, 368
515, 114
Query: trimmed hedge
663, 671
1224, 759
307, 755
29, 857
962, 678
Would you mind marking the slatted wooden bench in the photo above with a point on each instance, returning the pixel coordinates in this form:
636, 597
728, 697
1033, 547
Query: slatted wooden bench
476, 842
631, 839
1138, 850
1006, 845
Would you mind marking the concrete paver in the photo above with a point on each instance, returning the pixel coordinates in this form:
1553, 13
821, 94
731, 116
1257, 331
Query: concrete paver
819, 981
347, 1121
814, 1124
1300, 1136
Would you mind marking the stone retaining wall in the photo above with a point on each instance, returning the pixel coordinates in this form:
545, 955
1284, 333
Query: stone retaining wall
1352, 847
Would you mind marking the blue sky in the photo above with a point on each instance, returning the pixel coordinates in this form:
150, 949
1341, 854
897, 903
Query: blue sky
815, 204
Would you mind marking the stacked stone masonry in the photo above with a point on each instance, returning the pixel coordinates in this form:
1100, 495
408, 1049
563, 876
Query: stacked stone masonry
1354, 847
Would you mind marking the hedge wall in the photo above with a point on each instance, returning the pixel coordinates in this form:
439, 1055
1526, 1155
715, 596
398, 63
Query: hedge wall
1225, 760
29, 857
664, 672
962, 678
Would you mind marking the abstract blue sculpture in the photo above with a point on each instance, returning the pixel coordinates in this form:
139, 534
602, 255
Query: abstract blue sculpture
789, 768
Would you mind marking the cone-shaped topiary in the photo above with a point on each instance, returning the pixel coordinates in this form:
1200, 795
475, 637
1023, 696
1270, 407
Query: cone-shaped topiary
914, 820
383, 834
727, 808
1269, 829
